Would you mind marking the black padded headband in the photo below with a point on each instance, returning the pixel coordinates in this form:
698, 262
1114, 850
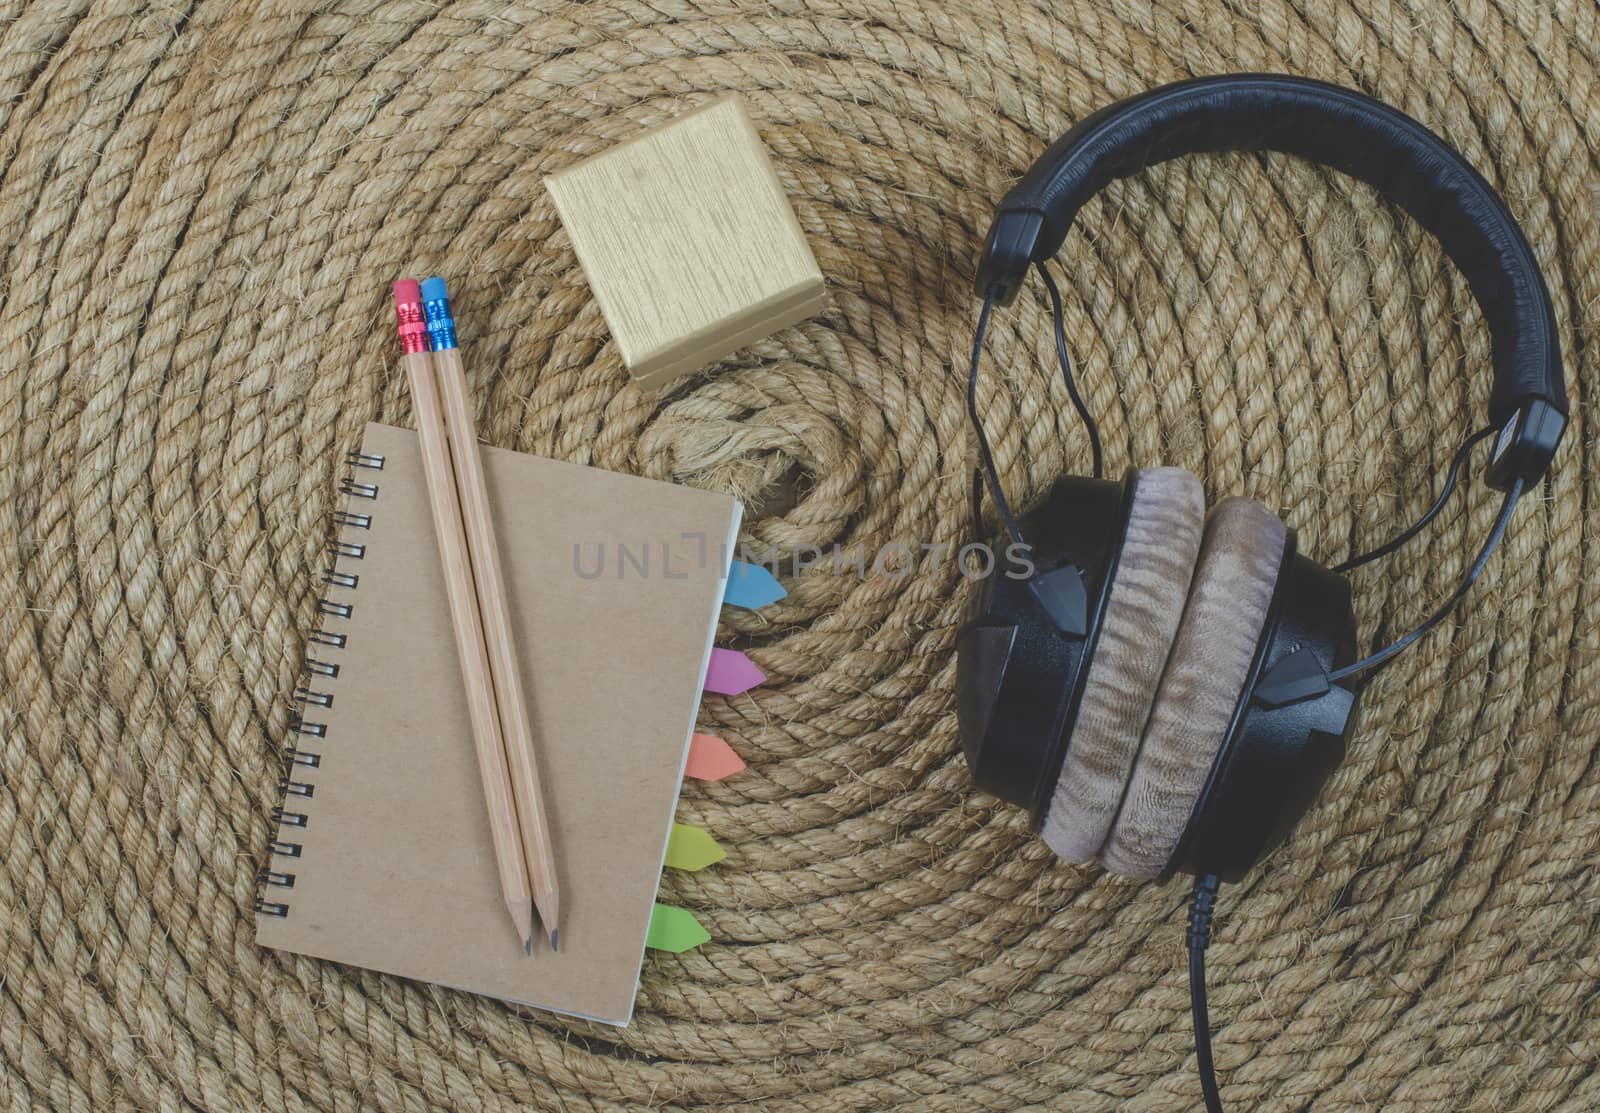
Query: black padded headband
1354, 134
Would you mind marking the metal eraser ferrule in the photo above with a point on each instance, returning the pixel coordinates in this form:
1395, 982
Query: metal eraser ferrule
412, 327
436, 304
441, 326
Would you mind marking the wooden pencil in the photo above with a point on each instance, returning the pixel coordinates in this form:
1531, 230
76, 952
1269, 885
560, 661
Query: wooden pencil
484, 551
464, 617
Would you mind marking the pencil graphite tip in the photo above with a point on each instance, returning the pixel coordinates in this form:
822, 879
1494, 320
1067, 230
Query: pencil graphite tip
522, 918
554, 935
436, 306
411, 324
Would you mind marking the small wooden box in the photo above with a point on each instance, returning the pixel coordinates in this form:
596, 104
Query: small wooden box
688, 242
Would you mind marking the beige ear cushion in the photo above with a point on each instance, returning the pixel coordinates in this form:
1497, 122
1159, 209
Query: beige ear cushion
1151, 581
1211, 656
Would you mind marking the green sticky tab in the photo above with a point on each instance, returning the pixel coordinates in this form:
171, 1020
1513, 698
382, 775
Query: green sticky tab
673, 929
691, 848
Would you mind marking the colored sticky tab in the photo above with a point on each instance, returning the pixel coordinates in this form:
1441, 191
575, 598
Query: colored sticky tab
673, 929
751, 586
692, 848
731, 672
711, 759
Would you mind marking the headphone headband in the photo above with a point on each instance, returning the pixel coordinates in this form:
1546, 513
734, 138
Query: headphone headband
1351, 133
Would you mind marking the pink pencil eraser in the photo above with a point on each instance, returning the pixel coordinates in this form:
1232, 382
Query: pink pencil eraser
408, 317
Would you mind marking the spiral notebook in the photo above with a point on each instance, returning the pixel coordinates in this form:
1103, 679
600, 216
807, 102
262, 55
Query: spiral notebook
382, 856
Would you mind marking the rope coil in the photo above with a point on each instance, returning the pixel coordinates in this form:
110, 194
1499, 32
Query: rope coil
201, 205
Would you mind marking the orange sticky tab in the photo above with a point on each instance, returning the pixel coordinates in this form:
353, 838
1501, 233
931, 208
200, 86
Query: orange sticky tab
711, 759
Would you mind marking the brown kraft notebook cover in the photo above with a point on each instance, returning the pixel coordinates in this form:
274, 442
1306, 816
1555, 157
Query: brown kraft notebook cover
614, 584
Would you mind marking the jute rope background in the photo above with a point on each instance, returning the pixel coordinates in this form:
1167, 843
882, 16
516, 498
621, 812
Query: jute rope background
201, 206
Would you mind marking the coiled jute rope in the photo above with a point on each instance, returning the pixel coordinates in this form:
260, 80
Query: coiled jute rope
201, 206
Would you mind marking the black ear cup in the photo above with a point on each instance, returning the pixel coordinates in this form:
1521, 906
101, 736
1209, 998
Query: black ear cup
1275, 760
1019, 674
1227, 776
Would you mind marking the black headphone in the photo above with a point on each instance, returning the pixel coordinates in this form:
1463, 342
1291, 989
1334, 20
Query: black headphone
1169, 690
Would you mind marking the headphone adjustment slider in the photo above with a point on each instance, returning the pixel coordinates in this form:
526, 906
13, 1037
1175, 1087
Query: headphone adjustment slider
1526, 445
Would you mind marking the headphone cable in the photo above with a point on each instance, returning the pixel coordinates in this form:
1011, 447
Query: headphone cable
1097, 453
986, 456
1200, 908
1399, 645
1056, 314
1457, 465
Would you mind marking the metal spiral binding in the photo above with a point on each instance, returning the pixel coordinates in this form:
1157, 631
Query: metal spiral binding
318, 699
295, 757
309, 729
359, 490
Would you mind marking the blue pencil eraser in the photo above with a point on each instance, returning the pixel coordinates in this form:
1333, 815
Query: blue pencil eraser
433, 289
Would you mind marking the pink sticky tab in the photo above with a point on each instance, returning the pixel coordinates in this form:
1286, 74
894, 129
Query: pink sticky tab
731, 672
711, 759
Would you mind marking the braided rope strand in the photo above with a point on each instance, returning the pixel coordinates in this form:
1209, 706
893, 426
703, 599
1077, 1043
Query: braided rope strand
884, 937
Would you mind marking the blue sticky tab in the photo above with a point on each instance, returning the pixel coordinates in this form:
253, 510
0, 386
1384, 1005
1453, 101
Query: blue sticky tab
433, 289
751, 586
